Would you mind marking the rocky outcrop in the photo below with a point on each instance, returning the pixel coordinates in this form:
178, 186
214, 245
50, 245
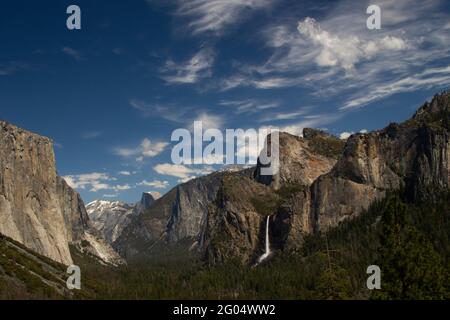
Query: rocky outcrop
72, 208
413, 155
302, 160
178, 216
38, 208
146, 202
235, 223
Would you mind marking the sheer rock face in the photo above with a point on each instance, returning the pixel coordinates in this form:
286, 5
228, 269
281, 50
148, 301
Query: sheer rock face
178, 216
293, 220
301, 159
30, 210
413, 155
72, 207
38, 208
234, 226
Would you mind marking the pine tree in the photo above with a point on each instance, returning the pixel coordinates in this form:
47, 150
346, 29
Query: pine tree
410, 266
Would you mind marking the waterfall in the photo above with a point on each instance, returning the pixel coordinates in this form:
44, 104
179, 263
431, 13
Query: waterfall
267, 251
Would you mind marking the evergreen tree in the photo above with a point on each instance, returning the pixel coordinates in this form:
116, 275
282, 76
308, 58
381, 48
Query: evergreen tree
410, 266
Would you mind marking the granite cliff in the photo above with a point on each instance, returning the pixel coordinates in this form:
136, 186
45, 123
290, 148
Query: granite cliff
37, 207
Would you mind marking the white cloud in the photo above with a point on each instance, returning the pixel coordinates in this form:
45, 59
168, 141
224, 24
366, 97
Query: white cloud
345, 135
209, 121
124, 173
147, 149
155, 183
347, 51
155, 194
336, 58
81, 181
182, 172
217, 15
198, 67
121, 187
150, 149
95, 181
249, 105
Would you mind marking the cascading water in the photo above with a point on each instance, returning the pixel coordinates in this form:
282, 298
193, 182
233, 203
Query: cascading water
267, 251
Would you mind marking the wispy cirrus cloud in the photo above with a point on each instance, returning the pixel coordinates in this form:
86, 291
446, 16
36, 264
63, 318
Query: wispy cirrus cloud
217, 16
431, 78
12, 67
184, 116
191, 71
74, 54
249, 105
282, 116
171, 112
336, 56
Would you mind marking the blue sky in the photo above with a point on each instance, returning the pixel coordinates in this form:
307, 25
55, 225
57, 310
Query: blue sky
111, 94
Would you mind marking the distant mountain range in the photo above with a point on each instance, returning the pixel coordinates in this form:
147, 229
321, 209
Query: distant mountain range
229, 215
111, 217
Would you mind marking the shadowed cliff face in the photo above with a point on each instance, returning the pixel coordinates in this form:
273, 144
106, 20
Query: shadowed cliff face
38, 208
177, 217
413, 155
236, 218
